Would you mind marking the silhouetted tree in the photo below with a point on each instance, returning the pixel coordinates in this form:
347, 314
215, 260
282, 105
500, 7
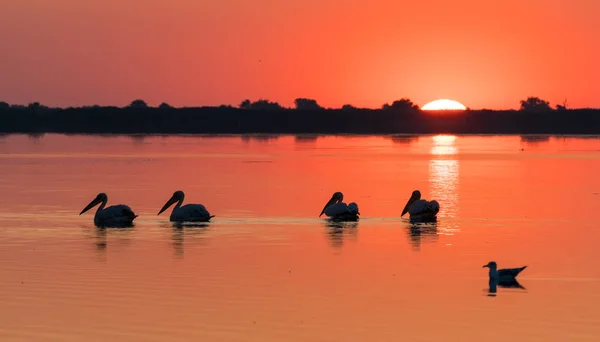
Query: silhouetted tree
306, 104
95, 107
245, 104
348, 107
535, 104
164, 105
562, 107
34, 105
4, 105
264, 104
138, 104
403, 104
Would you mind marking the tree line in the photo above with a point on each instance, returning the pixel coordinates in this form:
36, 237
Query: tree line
535, 116
531, 104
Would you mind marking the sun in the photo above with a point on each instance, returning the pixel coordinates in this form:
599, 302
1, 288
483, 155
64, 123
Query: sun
444, 104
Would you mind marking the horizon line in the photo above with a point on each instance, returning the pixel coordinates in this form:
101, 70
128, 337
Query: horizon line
281, 107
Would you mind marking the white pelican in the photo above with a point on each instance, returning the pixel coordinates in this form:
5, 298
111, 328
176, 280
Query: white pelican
506, 274
420, 209
118, 215
338, 210
187, 213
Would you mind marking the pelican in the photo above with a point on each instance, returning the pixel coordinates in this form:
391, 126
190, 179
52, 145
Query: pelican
338, 210
118, 215
420, 209
186, 213
503, 275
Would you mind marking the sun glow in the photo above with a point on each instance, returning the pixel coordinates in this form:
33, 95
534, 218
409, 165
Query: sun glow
444, 104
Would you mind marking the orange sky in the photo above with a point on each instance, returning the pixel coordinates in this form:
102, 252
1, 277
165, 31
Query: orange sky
486, 54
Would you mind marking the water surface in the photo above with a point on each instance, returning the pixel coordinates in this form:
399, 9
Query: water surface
267, 269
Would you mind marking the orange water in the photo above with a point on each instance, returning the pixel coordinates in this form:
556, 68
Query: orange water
267, 269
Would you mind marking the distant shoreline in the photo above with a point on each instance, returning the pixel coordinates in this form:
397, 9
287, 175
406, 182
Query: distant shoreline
304, 136
354, 121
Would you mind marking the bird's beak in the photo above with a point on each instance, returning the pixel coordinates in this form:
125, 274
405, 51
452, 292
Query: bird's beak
169, 203
331, 201
486, 266
410, 201
91, 205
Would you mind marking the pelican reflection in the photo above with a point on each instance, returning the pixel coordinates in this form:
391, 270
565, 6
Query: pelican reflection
101, 242
337, 231
422, 232
179, 232
177, 237
181, 225
102, 236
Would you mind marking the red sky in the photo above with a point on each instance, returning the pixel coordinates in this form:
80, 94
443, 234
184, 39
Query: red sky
485, 54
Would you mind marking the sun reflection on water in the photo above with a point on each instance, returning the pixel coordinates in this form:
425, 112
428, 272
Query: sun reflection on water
444, 145
444, 175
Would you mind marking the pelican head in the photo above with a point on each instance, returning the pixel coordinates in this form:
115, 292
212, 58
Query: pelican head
99, 199
353, 207
416, 195
491, 265
337, 197
177, 196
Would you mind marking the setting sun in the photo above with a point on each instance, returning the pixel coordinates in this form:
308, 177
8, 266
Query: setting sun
444, 104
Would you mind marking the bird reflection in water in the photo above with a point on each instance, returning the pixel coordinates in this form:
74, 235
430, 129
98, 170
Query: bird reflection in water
509, 284
181, 229
420, 232
337, 231
101, 237
101, 242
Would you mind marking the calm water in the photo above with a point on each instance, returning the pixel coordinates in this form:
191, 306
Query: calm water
267, 269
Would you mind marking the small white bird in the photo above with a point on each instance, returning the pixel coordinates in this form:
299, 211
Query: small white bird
338, 210
186, 213
502, 275
118, 215
420, 209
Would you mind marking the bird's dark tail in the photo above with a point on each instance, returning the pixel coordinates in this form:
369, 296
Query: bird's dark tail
519, 270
